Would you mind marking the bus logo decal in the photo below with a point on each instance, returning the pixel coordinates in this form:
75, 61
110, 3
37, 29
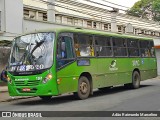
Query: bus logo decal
136, 63
113, 65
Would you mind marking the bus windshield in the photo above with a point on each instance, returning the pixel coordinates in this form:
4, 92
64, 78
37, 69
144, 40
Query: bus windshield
32, 52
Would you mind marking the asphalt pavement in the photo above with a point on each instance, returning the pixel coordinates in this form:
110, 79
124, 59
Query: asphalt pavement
146, 98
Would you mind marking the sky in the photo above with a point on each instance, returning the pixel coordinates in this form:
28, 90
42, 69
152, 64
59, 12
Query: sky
127, 3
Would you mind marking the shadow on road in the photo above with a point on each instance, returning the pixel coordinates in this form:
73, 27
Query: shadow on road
71, 97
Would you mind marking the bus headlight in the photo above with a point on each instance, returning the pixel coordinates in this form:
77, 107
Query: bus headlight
9, 79
47, 78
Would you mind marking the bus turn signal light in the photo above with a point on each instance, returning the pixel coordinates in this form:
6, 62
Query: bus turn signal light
47, 78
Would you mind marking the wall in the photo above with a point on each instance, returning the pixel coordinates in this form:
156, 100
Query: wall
2, 24
4, 55
32, 25
14, 16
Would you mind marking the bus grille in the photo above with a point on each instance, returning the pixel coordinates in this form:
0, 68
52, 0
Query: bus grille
28, 83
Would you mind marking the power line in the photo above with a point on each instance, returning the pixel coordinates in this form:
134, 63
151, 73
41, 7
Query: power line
85, 6
115, 4
90, 13
104, 5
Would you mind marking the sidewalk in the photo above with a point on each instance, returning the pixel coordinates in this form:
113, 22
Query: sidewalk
3, 89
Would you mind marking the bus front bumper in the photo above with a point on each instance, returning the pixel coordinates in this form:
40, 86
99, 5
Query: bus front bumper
39, 90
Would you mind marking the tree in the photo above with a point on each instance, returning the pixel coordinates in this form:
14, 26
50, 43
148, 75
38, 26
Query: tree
149, 9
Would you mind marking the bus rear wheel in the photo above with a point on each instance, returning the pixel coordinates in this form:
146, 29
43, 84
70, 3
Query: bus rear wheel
83, 88
136, 80
45, 98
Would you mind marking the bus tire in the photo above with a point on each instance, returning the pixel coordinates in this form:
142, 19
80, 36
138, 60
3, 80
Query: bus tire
83, 88
136, 80
46, 98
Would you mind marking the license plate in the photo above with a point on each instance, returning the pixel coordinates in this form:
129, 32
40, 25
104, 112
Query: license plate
26, 89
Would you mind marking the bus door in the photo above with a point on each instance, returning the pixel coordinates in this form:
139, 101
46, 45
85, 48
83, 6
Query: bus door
65, 63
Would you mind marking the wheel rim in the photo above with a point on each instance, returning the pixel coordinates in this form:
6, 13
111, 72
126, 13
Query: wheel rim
83, 87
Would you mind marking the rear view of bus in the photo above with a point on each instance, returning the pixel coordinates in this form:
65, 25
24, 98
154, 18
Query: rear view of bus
30, 65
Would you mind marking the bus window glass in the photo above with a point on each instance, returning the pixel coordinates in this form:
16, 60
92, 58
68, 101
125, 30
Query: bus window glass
119, 47
103, 46
152, 50
83, 45
145, 48
32, 52
133, 48
64, 51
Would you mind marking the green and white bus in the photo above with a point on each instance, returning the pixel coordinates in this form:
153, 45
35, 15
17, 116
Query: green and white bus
53, 62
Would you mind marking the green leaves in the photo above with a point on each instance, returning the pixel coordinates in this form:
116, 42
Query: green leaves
149, 9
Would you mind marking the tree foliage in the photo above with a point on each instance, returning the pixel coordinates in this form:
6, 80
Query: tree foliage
149, 9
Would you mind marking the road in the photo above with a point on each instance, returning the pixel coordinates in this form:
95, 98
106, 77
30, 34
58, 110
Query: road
146, 98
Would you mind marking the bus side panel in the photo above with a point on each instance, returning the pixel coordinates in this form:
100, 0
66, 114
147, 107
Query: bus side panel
114, 71
148, 68
70, 74
66, 79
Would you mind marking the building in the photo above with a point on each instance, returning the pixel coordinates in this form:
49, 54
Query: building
21, 16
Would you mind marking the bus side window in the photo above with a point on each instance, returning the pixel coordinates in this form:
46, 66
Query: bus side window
64, 51
103, 46
152, 51
83, 45
145, 48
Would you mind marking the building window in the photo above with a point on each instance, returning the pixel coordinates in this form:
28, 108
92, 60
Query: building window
146, 33
80, 22
40, 16
45, 16
107, 26
89, 24
120, 28
76, 22
69, 21
26, 13
32, 14
59, 19
152, 33
94, 25
135, 31
142, 31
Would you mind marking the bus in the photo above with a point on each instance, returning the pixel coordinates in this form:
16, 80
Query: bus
64, 60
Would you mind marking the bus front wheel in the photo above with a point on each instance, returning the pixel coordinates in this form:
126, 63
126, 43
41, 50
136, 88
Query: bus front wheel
83, 88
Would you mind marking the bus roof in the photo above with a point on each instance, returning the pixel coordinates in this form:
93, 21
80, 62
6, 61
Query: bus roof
88, 31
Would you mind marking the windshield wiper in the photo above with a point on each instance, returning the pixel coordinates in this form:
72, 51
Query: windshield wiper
38, 44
